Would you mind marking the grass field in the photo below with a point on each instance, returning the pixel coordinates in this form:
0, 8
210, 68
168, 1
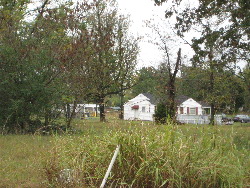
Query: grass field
151, 156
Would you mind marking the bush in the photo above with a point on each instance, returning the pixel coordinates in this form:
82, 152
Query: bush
160, 114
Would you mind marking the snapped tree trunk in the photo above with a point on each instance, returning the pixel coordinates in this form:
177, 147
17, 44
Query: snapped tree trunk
171, 109
171, 100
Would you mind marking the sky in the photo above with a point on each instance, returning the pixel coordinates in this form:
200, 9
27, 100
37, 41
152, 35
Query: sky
143, 10
140, 11
150, 55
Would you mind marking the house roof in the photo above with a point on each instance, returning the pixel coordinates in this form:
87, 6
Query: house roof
180, 99
151, 98
204, 104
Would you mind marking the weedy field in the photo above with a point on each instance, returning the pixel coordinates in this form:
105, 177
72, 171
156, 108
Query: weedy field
150, 156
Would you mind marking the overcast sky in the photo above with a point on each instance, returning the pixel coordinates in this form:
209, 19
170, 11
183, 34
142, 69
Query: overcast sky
139, 11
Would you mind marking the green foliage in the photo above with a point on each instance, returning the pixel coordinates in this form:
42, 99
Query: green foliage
30, 72
146, 81
160, 113
228, 88
246, 78
218, 48
51, 60
104, 54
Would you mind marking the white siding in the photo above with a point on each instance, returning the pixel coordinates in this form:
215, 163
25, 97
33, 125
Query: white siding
189, 104
143, 103
200, 119
197, 117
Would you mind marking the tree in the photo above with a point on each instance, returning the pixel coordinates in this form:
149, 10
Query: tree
160, 113
170, 65
220, 46
228, 88
146, 81
126, 53
30, 67
63, 55
114, 53
245, 75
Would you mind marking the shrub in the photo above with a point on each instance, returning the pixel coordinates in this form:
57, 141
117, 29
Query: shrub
160, 114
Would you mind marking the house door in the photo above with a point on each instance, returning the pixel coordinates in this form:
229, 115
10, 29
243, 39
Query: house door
136, 114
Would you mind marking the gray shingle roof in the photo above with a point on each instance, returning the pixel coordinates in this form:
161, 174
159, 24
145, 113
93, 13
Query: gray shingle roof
204, 104
151, 98
180, 99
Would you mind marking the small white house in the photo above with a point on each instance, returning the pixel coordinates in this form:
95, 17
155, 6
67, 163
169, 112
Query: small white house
142, 107
189, 106
191, 111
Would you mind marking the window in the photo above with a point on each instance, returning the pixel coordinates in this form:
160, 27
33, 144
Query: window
143, 109
181, 110
192, 111
206, 111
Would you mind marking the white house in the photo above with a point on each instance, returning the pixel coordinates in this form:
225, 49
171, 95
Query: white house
142, 107
189, 106
191, 111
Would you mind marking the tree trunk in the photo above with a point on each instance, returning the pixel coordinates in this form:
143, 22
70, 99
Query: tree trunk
122, 108
46, 118
102, 112
71, 114
171, 100
212, 70
96, 110
67, 114
211, 88
212, 100
212, 114
171, 109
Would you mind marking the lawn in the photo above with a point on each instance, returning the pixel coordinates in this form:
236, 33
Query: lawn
21, 158
151, 155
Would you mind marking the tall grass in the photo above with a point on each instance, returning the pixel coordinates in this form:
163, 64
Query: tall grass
168, 156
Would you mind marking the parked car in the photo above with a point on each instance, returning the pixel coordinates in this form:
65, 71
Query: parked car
241, 118
226, 120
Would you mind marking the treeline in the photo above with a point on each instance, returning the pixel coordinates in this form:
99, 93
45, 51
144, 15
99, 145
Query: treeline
55, 54
231, 94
